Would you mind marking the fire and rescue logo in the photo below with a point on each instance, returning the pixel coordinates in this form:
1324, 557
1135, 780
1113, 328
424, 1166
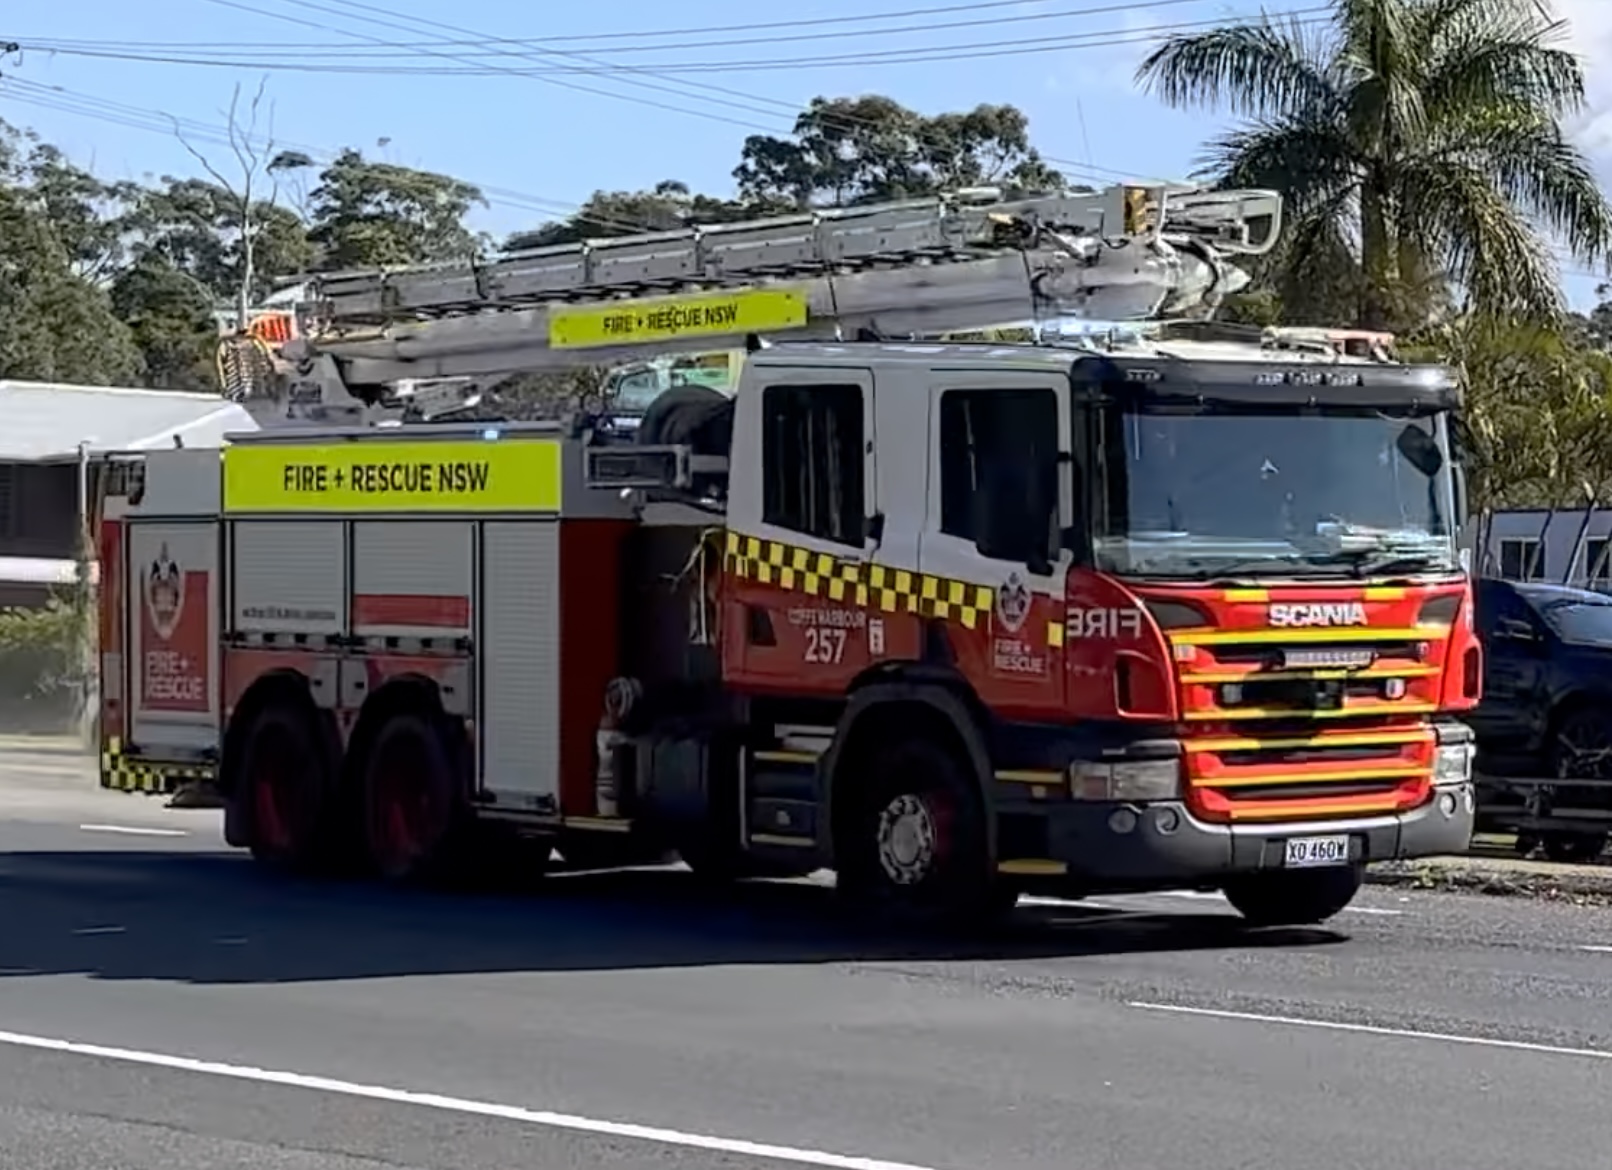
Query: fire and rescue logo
165, 594
1013, 603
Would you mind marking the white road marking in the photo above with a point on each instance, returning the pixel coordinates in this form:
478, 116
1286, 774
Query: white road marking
1596, 950
538, 1117
101, 930
1372, 1030
134, 830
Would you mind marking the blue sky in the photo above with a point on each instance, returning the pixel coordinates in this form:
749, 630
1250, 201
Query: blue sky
538, 147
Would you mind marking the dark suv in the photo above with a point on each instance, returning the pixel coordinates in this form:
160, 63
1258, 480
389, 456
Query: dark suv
1546, 712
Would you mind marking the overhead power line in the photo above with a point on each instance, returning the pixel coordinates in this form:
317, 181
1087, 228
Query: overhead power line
215, 134
473, 63
638, 34
632, 76
473, 46
696, 89
605, 70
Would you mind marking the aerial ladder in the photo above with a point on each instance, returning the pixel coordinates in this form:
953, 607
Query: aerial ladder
911, 269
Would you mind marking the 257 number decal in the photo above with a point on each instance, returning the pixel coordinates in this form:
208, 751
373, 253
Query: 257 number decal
825, 645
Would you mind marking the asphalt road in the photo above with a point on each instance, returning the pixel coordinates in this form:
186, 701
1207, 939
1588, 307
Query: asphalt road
164, 1006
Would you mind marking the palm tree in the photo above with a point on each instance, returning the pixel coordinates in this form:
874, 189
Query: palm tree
1418, 144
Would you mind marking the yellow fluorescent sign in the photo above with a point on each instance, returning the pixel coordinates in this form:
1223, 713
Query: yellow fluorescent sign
657, 319
492, 475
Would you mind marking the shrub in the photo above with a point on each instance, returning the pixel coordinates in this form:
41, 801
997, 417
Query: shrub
42, 650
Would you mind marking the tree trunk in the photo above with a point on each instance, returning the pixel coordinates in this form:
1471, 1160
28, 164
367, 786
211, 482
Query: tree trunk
1376, 255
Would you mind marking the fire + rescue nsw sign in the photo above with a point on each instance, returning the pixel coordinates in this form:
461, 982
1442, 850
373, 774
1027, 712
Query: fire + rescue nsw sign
495, 475
661, 319
175, 654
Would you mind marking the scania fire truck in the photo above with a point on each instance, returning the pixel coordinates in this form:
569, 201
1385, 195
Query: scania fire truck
1140, 610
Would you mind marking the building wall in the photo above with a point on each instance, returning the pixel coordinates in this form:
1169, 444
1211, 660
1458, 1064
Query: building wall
1533, 544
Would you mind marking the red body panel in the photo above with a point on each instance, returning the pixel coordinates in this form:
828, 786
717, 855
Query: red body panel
590, 647
114, 714
1152, 655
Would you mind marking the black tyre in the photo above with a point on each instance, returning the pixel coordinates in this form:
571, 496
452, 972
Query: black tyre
412, 796
1569, 848
914, 845
285, 794
1581, 745
1304, 897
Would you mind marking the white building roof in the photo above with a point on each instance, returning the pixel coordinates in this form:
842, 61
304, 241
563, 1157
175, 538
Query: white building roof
44, 422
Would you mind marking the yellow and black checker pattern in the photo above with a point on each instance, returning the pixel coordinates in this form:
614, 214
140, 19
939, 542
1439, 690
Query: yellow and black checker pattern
121, 773
880, 587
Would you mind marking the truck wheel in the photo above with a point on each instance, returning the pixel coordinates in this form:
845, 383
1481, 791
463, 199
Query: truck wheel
1303, 897
914, 847
1569, 848
411, 798
284, 790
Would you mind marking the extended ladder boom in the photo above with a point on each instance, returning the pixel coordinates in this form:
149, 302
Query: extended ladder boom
920, 267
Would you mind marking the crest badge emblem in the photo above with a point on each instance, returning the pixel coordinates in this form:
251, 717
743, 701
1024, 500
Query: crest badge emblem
1013, 603
165, 594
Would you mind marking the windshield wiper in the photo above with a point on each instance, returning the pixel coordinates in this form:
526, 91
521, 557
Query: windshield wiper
1399, 562
1230, 570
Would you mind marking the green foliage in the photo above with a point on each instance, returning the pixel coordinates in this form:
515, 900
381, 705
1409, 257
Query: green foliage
1538, 409
45, 645
843, 151
370, 213
855, 150
1418, 144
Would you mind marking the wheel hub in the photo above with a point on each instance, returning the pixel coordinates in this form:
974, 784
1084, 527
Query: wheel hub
907, 840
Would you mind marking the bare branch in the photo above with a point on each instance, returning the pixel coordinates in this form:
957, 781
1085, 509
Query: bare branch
253, 159
198, 155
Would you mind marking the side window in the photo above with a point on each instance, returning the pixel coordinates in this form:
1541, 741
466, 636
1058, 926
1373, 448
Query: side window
1597, 568
1522, 560
999, 472
812, 461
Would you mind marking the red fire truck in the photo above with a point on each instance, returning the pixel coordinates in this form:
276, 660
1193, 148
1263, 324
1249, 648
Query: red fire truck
958, 621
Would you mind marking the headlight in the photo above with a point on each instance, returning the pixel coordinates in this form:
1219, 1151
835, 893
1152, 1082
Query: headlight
1129, 780
1452, 763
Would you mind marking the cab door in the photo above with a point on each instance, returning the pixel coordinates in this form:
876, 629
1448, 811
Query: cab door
999, 492
803, 529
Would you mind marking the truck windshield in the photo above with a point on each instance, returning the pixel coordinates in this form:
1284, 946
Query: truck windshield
1201, 490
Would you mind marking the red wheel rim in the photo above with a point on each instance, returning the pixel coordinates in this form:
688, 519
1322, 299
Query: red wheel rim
271, 779
403, 809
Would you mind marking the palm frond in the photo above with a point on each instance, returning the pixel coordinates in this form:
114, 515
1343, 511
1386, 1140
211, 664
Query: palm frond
1259, 70
1501, 58
1308, 159
1454, 211
1532, 164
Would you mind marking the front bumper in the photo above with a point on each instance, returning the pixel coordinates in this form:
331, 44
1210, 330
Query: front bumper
1118, 845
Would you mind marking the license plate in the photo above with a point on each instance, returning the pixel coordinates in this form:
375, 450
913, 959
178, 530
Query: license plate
1309, 852
1322, 659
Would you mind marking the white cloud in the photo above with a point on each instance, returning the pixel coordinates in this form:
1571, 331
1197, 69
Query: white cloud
1590, 36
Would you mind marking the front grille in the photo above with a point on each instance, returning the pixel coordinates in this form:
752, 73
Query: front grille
1294, 721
